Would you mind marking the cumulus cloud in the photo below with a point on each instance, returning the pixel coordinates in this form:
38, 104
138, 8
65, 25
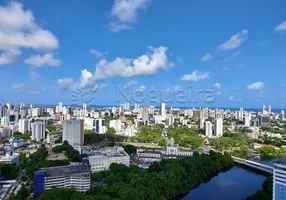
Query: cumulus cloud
217, 85
9, 56
206, 57
256, 86
65, 83
18, 86
234, 41
124, 13
281, 26
18, 30
39, 61
146, 64
97, 53
195, 76
33, 74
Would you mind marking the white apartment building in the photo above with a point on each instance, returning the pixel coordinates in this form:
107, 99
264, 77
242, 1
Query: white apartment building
73, 131
163, 109
279, 180
116, 124
24, 125
209, 129
218, 126
38, 130
102, 159
76, 176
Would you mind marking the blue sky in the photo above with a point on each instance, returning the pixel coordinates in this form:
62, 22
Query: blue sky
53, 51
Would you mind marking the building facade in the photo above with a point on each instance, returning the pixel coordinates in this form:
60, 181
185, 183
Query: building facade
73, 131
279, 180
71, 176
38, 130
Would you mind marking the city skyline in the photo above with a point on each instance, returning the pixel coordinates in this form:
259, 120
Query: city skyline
61, 50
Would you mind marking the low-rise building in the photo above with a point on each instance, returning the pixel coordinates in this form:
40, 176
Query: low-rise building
10, 159
71, 176
17, 142
258, 145
101, 159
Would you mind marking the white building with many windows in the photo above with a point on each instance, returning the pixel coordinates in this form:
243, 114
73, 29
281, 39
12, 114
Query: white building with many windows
102, 159
71, 176
279, 180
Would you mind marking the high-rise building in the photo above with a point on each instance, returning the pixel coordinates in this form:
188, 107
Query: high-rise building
84, 107
100, 126
163, 109
73, 131
145, 116
282, 115
218, 126
116, 124
247, 119
35, 112
279, 180
38, 130
24, 125
269, 109
209, 129
240, 115
60, 107
3, 111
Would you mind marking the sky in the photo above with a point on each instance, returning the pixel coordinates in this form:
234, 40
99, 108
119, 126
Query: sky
220, 53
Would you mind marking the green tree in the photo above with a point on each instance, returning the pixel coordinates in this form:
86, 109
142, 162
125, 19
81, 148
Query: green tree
162, 142
58, 149
10, 171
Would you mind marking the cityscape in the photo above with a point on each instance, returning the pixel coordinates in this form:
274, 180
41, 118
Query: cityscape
142, 100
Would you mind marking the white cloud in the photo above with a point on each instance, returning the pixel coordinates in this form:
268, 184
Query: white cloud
97, 53
146, 64
218, 93
46, 59
65, 83
230, 98
18, 29
206, 57
281, 26
217, 85
234, 41
9, 56
33, 74
256, 86
124, 13
18, 86
195, 76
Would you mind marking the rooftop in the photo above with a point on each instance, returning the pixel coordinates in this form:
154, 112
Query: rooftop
65, 170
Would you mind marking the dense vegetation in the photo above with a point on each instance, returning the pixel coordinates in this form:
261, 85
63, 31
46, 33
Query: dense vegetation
184, 136
20, 135
269, 152
163, 180
23, 193
223, 143
274, 130
38, 160
104, 139
265, 193
51, 128
9, 171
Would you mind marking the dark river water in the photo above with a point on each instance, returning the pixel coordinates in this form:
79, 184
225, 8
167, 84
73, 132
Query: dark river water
235, 184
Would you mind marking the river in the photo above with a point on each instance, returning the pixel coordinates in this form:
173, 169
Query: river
235, 184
